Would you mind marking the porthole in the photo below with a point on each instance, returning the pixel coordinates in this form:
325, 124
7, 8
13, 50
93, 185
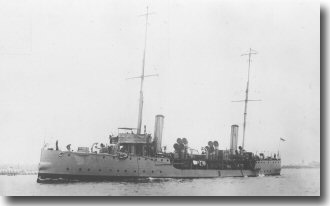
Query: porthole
117, 170
135, 171
114, 157
89, 169
125, 170
67, 168
161, 159
79, 169
100, 170
69, 155
130, 158
167, 160
160, 171
110, 170
145, 158
103, 157
144, 171
152, 171
139, 158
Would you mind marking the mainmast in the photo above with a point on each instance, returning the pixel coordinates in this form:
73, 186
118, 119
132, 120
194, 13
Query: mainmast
250, 53
246, 96
142, 74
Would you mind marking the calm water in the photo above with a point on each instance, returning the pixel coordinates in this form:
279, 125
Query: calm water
291, 182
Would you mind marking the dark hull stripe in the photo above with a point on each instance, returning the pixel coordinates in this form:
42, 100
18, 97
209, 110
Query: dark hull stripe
49, 178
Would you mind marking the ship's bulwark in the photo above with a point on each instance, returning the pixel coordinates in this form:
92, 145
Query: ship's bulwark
84, 166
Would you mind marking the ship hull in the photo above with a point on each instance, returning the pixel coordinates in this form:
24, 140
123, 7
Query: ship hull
89, 166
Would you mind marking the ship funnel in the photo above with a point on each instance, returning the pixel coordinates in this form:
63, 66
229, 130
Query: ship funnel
233, 138
159, 123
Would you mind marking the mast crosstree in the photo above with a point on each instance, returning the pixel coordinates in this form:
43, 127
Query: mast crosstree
142, 74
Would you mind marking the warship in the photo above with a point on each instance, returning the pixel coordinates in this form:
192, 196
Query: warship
136, 154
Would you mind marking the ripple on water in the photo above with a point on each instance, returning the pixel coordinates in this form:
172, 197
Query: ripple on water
291, 182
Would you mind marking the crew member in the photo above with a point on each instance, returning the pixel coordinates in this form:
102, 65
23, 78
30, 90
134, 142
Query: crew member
68, 147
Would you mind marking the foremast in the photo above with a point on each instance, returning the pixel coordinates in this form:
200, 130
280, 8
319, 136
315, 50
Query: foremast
142, 74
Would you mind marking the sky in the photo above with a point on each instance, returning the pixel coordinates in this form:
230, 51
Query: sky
64, 66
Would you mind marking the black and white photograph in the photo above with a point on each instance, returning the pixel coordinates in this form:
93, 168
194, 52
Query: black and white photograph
160, 98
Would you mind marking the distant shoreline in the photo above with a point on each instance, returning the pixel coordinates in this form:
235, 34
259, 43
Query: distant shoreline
299, 167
